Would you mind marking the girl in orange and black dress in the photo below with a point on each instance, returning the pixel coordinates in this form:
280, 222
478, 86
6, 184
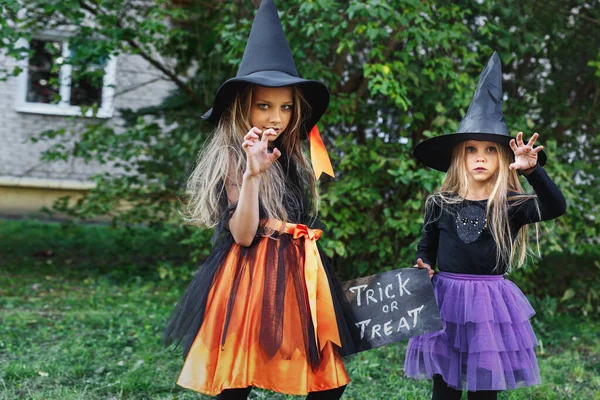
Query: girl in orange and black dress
265, 309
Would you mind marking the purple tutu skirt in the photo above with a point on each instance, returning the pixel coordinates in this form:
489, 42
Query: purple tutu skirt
487, 342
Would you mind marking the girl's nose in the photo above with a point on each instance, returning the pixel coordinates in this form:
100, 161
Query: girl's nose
275, 117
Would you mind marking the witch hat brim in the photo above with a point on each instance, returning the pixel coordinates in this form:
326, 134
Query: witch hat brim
436, 152
483, 121
268, 62
314, 92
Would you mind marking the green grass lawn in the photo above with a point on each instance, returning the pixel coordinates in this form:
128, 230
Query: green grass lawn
78, 321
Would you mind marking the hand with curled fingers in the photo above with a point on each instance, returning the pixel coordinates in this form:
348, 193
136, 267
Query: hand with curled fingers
258, 157
421, 264
526, 156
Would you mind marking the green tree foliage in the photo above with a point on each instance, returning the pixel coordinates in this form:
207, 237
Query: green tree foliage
399, 71
553, 87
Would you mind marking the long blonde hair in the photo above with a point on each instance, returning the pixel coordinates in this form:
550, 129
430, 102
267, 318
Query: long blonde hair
222, 161
506, 190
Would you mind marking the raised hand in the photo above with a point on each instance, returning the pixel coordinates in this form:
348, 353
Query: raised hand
525, 155
421, 264
258, 157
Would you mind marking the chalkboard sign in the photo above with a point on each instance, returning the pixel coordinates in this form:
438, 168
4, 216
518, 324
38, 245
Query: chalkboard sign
392, 306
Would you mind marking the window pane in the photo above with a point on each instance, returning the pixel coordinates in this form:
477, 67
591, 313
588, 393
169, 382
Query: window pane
43, 72
88, 74
86, 88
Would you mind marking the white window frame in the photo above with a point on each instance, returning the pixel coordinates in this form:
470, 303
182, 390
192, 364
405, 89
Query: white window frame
64, 108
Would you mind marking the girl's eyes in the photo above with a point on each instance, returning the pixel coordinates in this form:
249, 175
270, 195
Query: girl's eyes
286, 107
473, 149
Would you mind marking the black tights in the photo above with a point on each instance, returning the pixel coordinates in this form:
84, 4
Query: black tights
242, 394
234, 394
441, 391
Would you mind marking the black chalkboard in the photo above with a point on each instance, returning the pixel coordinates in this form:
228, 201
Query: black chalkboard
392, 306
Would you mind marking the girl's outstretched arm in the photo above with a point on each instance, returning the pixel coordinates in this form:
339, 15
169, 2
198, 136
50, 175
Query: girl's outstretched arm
244, 221
551, 201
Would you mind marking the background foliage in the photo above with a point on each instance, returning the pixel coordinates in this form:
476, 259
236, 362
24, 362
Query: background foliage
399, 71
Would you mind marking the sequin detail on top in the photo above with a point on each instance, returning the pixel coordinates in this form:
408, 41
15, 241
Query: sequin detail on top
470, 222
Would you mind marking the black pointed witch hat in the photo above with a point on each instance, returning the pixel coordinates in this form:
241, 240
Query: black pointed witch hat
483, 121
268, 61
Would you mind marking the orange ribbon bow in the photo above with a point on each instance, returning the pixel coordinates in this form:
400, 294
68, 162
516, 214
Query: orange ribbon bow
318, 154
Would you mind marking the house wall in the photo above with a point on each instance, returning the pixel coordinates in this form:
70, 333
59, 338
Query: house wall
27, 183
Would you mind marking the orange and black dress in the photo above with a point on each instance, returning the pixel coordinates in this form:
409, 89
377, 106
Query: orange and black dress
271, 315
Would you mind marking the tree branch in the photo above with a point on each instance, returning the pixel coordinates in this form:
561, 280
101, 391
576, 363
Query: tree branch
154, 62
589, 19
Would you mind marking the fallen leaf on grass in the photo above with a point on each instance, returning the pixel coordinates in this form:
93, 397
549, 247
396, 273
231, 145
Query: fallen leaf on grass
137, 365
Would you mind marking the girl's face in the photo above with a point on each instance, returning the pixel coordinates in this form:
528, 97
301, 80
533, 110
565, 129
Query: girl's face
271, 108
481, 160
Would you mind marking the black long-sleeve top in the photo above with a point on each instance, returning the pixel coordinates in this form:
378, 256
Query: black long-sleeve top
457, 235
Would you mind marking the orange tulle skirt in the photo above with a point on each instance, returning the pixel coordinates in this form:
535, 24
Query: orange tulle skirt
216, 362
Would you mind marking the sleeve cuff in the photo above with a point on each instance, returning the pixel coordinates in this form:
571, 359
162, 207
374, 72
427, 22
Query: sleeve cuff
534, 172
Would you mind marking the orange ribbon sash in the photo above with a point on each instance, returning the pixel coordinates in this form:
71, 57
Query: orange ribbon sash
317, 287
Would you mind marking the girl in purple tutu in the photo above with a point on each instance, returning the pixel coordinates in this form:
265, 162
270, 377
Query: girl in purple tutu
475, 228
